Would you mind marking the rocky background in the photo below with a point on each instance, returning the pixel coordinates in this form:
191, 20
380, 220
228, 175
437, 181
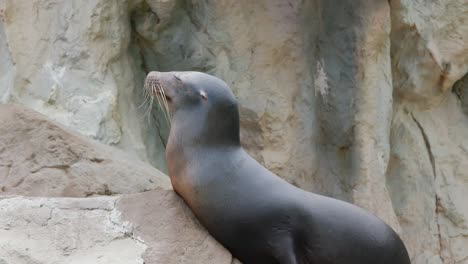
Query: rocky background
366, 101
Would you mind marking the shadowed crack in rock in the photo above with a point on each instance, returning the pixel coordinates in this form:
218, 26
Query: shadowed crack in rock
105, 191
438, 206
428, 145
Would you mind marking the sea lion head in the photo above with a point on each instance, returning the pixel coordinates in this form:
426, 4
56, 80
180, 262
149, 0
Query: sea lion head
201, 108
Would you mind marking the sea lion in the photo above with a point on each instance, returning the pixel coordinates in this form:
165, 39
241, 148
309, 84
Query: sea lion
259, 217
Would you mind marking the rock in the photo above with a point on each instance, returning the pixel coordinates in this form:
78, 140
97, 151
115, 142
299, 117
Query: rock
427, 168
429, 191
351, 74
351, 99
79, 67
152, 227
429, 44
460, 88
170, 230
39, 157
412, 187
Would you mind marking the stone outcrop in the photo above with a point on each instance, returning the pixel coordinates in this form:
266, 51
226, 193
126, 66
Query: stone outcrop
427, 171
152, 227
41, 158
361, 100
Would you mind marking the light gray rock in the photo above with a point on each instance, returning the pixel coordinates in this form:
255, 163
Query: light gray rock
411, 183
152, 227
41, 158
7, 67
429, 48
427, 172
429, 191
74, 61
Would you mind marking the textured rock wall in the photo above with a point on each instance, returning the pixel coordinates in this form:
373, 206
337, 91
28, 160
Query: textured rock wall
361, 100
153, 227
73, 61
427, 173
41, 158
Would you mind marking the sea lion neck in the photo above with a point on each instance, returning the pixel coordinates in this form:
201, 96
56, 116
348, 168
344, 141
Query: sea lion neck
197, 131
206, 127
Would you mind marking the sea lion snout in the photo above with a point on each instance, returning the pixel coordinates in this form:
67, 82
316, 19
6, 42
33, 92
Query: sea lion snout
162, 83
166, 88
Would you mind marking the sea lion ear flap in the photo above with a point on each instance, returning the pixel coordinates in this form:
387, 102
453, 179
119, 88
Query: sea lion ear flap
204, 95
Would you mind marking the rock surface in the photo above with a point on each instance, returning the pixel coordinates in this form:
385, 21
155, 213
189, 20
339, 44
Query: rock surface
427, 172
72, 60
361, 100
152, 227
432, 209
41, 158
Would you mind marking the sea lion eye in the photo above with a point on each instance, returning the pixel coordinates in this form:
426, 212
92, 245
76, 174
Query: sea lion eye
203, 95
177, 78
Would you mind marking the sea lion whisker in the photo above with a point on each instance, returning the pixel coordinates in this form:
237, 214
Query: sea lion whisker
145, 95
145, 99
168, 113
162, 102
157, 95
166, 106
148, 111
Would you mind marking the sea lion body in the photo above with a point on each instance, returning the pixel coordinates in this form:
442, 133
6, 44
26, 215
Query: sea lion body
257, 216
